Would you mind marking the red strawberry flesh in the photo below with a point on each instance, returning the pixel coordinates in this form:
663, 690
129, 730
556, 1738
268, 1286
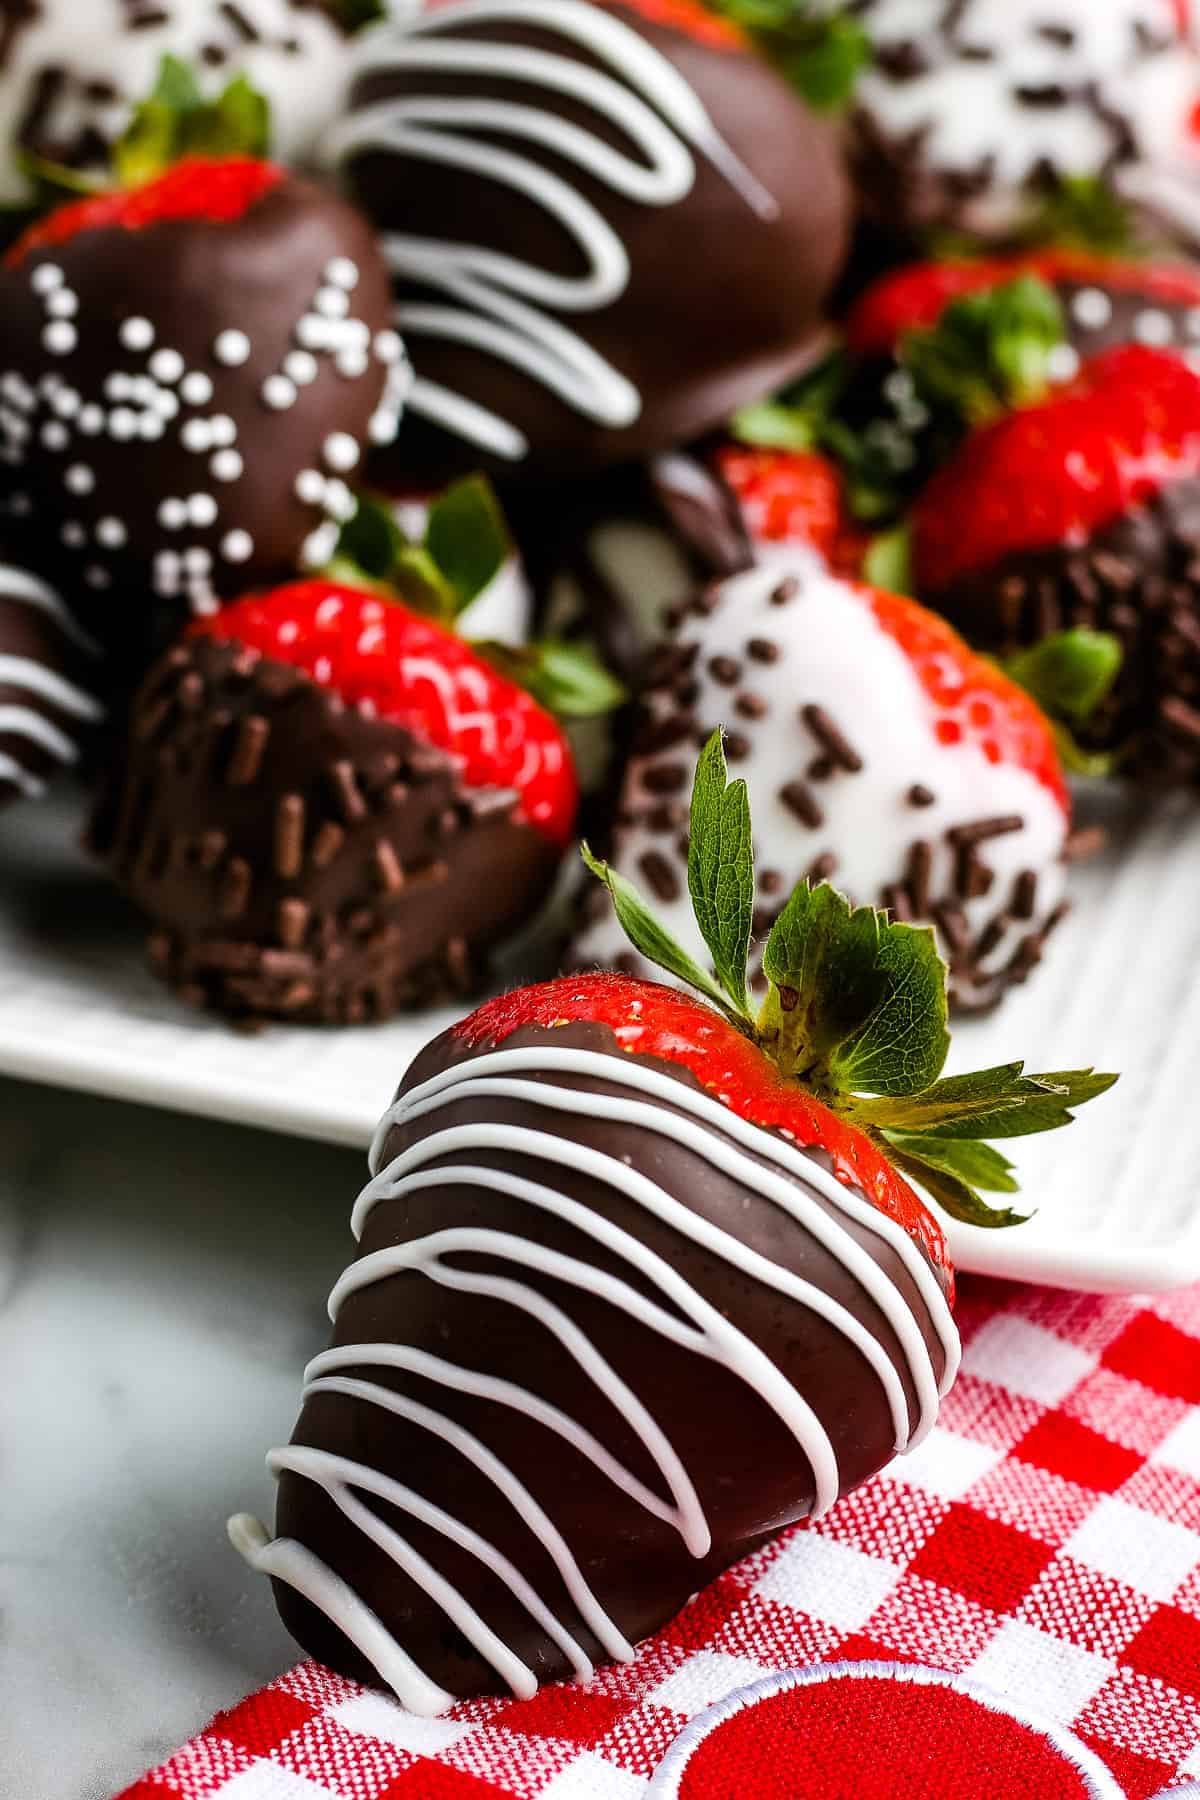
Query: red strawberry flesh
378, 655
1056, 473
649, 1020
974, 701
214, 192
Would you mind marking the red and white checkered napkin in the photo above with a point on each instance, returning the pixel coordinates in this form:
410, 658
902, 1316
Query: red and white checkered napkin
1045, 1542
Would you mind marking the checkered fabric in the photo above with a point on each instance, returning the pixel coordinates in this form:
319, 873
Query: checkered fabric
1044, 1541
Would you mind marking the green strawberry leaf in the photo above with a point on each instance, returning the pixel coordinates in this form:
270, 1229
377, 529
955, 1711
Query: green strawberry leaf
51, 184
888, 561
980, 1164
1001, 1102
857, 1004
721, 869
796, 417
651, 939
1081, 212
988, 352
176, 120
371, 540
568, 679
1070, 673
955, 1195
467, 538
821, 53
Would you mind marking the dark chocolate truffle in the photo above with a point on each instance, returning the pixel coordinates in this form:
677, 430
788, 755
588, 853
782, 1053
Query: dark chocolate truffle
609, 225
49, 678
602, 1338
301, 856
189, 376
71, 71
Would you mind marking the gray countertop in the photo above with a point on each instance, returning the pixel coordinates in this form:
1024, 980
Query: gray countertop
162, 1283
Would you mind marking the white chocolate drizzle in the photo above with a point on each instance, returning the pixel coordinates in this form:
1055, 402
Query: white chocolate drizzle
41, 703
658, 1103
493, 301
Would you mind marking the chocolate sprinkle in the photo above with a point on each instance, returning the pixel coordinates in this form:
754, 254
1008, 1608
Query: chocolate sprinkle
831, 739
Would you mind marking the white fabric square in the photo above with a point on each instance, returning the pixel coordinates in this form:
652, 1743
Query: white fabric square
1028, 1664
1026, 1359
1150, 1554
1180, 1449
945, 1464
829, 1581
373, 1716
591, 1778
284, 1785
706, 1676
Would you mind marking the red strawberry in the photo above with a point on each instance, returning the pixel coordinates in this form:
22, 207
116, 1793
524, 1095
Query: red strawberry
1081, 511
1126, 300
191, 371
611, 1222
792, 497
331, 807
397, 665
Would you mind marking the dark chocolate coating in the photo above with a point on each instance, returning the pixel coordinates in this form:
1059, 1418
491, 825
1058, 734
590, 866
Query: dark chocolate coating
749, 1472
299, 859
75, 447
1138, 577
721, 306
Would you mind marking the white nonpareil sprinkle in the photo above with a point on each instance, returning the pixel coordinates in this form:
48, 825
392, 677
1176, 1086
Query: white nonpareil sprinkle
222, 430
226, 465
1154, 328
342, 272
279, 393
341, 452
1092, 308
167, 365
196, 436
63, 304
79, 479
389, 346
202, 510
122, 424
172, 515
320, 545
197, 388
60, 338
73, 534
137, 334
111, 533
55, 436
237, 547
331, 303
232, 348
46, 277
310, 487
301, 367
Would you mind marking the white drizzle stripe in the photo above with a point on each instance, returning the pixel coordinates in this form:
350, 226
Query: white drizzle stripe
338, 1474
693, 1526
650, 104
733, 1163
711, 1335
35, 678
283, 1559
505, 1393
626, 1071
25, 783
19, 585
522, 1503
22, 721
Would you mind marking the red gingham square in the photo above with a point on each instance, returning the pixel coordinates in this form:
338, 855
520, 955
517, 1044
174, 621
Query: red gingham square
1047, 1536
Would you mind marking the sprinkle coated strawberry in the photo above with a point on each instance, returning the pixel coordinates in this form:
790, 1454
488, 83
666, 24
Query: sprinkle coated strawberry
1128, 425
974, 700
650, 1020
217, 192
379, 656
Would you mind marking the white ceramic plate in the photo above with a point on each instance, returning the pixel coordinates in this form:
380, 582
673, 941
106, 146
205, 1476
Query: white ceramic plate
1117, 1194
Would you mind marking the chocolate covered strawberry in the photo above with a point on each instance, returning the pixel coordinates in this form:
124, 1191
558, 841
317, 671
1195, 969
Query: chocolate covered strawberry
192, 372
878, 750
331, 807
640, 1280
1084, 510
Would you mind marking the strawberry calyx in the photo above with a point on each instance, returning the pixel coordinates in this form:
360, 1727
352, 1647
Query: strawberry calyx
855, 1016
380, 656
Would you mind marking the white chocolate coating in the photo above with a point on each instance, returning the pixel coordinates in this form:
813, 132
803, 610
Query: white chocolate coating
1010, 87
829, 651
652, 1100
293, 54
43, 710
